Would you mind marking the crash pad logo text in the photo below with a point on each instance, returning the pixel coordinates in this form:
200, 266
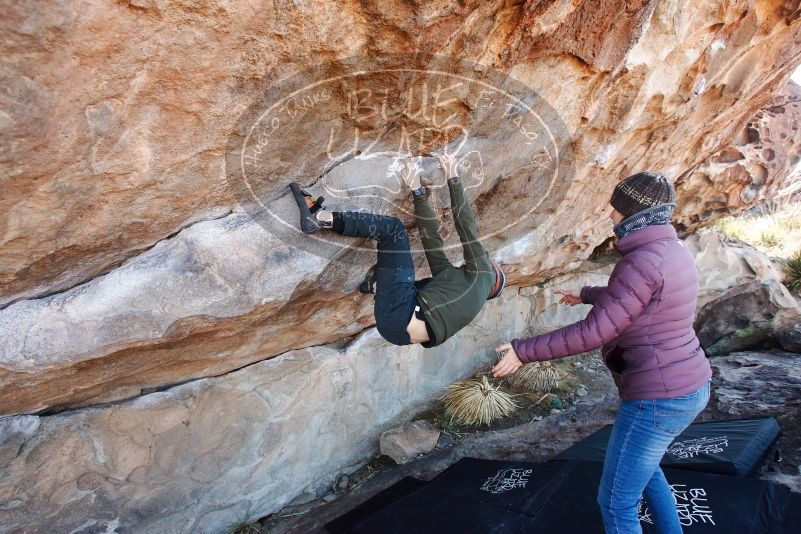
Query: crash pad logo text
506, 480
690, 448
691, 505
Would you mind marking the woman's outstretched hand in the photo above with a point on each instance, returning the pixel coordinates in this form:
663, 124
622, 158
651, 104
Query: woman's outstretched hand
509, 362
568, 297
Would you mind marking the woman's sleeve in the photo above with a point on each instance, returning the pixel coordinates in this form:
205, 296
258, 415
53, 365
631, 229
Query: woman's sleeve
589, 294
615, 307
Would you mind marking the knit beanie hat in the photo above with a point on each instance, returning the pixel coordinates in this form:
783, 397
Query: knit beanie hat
500, 281
642, 191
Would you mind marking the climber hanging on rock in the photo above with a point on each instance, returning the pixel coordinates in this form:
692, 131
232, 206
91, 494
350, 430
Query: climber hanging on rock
427, 311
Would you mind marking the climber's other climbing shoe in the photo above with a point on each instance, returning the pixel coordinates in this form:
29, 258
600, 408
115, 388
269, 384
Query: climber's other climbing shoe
308, 222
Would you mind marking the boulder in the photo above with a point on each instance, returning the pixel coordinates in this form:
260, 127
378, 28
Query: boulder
756, 383
724, 262
753, 384
409, 441
745, 316
789, 338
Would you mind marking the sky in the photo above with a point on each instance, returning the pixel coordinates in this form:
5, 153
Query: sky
796, 77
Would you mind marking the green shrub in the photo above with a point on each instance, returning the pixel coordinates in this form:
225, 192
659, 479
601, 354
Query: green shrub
792, 268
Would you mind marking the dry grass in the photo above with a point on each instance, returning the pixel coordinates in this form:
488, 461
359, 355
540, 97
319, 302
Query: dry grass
543, 377
775, 229
771, 239
248, 523
477, 402
245, 528
537, 376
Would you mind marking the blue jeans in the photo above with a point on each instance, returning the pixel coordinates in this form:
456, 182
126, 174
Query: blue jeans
642, 432
396, 292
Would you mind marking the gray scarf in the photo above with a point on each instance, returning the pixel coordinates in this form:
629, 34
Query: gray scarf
659, 214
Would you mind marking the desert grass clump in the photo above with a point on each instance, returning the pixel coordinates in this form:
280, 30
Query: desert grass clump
770, 238
477, 402
792, 271
773, 228
791, 223
543, 377
245, 527
247, 523
732, 227
536, 376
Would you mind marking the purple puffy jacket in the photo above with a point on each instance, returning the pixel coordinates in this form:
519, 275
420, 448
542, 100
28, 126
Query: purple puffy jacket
643, 319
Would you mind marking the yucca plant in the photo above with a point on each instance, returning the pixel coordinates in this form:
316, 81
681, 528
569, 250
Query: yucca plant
245, 527
792, 270
543, 377
247, 524
477, 402
536, 376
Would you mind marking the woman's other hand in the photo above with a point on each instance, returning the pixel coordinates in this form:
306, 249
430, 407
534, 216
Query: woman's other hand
568, 297
509, 362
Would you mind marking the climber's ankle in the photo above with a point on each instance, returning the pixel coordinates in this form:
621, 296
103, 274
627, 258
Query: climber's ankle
325, 217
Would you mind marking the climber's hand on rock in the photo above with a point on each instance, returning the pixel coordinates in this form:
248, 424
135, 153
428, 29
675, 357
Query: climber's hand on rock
568, 297
448, 163
410, 173
509, 362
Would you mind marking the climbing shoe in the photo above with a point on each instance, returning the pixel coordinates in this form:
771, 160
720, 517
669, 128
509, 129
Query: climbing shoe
368, 284
307, 206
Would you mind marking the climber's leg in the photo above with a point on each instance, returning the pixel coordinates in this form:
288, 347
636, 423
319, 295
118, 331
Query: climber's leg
395, 293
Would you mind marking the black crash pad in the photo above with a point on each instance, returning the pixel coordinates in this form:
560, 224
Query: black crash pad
735, 447
792, 522
345, 523
706, 503
478, 496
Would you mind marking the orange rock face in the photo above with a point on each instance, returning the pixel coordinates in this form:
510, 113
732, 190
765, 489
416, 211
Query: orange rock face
756, 167
130, 260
